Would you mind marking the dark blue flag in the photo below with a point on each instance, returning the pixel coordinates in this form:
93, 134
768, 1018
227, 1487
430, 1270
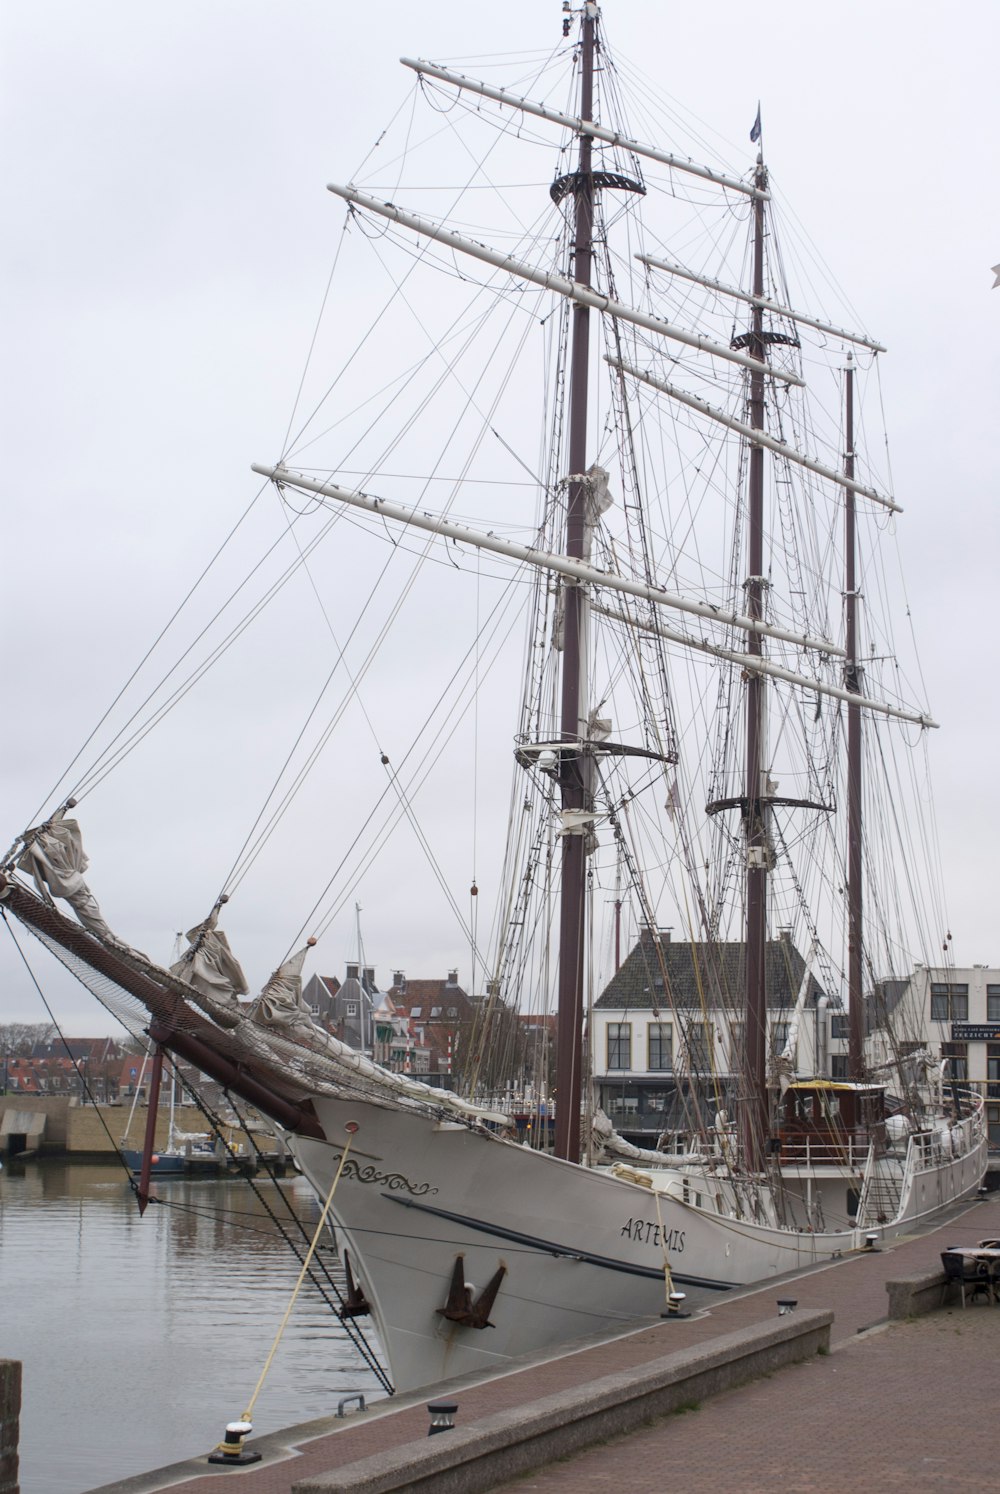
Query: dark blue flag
755, 132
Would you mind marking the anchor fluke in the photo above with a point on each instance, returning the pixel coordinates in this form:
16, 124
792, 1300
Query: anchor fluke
461, 1308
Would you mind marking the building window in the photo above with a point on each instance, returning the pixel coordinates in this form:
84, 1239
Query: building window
619, 1045
957, 1055
779, 1037
700, 1047
661, 1047
453, 1011
838, 1066
735, 1045
993, 1071
838, 1025
993, 1126
949, 1003
993, 1003
351, 1008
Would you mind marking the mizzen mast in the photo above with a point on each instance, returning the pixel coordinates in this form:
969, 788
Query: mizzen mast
852, 681
756, 812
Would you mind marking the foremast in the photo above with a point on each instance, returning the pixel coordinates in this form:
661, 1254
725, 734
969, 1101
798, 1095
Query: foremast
573, 704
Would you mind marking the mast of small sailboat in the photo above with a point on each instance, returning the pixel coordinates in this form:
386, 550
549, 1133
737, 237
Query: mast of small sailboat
569, 1022
754, 1110
852, 681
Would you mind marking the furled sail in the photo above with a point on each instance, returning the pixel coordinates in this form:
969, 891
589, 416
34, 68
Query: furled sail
280, 1003
56, 860
597, 501
208, 964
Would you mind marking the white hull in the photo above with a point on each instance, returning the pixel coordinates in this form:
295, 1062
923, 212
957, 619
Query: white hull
583, 1249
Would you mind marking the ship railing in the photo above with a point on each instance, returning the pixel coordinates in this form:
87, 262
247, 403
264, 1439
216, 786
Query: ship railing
933, 1148
866, 1183
820, 1151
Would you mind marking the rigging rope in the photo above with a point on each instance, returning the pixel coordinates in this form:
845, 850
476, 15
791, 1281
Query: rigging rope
350, 1128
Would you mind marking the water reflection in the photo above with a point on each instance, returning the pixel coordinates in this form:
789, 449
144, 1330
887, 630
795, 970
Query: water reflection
148, 1335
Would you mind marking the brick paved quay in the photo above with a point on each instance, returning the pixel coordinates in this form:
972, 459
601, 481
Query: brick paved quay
909, 1406
903, 1404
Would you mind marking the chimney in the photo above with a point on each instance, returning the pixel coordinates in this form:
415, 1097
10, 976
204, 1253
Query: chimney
453, 977
369, 978
398, 980
352, 972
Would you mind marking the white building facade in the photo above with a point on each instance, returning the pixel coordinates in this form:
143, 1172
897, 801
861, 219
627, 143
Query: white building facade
670, 1021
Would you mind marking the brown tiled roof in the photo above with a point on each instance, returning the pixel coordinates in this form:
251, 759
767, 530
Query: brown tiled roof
709, 973
427, 996
426, 990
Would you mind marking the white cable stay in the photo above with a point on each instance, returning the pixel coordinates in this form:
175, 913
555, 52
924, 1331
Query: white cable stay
584, 127
561, 284
759, 438
764, 302
753, 664
576, 570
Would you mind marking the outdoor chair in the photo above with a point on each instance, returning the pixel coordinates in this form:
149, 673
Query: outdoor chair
971, 1274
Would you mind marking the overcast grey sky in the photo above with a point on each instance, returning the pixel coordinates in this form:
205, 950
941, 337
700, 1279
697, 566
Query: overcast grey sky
167, 241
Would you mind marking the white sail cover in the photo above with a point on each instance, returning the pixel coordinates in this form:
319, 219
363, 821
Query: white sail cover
209, 965
607, 1142
55, 858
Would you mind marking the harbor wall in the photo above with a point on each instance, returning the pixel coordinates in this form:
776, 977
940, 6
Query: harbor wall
83, 1130
10, 1423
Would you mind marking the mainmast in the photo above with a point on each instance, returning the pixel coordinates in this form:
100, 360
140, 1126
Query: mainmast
573, 776
852, 681
757, 787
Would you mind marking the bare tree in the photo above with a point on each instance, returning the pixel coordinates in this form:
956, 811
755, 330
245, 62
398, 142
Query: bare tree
17, 1039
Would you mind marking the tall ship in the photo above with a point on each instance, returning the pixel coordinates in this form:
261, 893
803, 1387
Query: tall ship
579, 400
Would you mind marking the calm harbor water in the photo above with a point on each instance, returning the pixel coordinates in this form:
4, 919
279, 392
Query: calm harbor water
141, 1338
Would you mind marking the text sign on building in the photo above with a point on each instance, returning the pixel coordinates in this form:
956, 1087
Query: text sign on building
975, 1032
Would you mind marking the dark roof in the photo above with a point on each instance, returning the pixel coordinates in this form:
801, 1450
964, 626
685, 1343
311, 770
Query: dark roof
101, 1050
883, 1001
660, 972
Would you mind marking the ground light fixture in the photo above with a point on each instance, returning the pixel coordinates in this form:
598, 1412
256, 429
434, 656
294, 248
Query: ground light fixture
787, 1305
871, 1241
442, 1414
